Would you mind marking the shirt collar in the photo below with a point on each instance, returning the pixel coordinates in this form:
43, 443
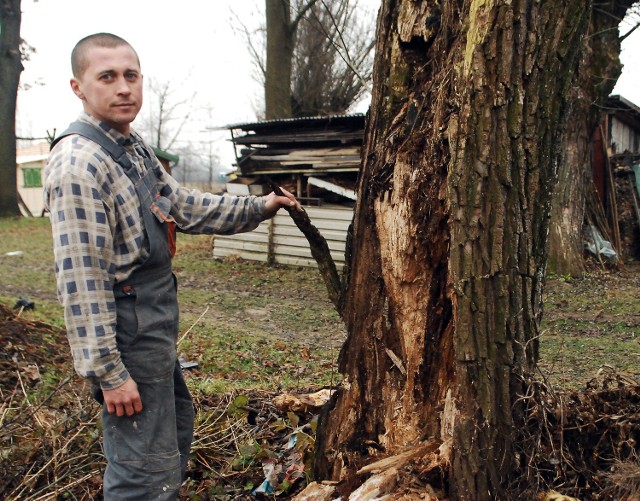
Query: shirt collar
118, 137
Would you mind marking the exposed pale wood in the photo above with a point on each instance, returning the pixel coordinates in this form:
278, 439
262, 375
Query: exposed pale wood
306, 402
399, 460
377, 486
316, 492
396, 361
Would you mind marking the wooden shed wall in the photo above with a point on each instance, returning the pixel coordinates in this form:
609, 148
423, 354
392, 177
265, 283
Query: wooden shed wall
281, 238
625, 137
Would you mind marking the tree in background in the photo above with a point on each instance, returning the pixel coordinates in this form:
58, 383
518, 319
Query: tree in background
596, 77
333, 59
449, 242
166, 116
281, 30
10, 69
318, 56
166, 113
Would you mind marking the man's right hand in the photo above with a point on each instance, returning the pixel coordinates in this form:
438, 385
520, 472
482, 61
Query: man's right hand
124, 399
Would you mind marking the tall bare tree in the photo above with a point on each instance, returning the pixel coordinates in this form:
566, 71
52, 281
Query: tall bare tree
10, 69
447, 260
175, 123
280, 39
166, 113
318, 57
333, 59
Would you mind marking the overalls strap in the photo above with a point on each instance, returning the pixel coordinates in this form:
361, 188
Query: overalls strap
116, 151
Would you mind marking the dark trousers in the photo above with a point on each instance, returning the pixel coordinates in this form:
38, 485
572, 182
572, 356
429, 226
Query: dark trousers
148, 452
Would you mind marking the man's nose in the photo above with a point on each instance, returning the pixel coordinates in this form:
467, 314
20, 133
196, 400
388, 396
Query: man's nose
123, 86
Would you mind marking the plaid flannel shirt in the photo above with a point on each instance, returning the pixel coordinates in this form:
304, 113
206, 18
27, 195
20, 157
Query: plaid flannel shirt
99, 238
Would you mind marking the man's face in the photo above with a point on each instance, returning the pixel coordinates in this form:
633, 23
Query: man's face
111, 86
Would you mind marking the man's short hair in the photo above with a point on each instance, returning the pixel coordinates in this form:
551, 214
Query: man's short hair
79, 62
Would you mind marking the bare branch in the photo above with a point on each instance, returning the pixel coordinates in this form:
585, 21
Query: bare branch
257, 54
634, 28
343, 51
301, 13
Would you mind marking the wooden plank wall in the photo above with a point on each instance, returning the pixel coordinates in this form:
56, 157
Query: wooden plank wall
625, 137
284, 242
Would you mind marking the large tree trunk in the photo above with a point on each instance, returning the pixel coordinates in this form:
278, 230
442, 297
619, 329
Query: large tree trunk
449, 238
10, 69
280, 40
599, 70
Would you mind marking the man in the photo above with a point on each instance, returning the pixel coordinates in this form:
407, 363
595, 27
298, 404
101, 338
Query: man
113, 267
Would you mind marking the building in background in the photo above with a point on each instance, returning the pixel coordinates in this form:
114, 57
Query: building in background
30, 162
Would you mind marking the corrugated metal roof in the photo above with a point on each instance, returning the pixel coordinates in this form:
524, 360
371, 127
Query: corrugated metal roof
328, 119
616, 102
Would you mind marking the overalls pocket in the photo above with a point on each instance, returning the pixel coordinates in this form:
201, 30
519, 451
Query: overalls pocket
127, 318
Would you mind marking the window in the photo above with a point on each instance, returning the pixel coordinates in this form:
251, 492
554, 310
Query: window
32, 177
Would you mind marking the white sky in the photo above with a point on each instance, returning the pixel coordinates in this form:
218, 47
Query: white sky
188, 42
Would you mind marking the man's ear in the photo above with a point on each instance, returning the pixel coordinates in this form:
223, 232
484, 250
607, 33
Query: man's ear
75, 87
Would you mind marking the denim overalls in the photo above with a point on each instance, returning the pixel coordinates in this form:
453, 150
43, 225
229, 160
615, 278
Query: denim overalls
148, 452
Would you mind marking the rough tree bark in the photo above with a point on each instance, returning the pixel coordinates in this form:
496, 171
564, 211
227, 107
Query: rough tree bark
10, 69
448, 254
598, 72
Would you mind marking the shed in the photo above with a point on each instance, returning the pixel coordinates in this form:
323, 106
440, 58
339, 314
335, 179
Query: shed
318, 159
30, 162
616, 165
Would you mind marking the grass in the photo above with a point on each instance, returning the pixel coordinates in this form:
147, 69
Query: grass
591, 327
253, 327
249, 326
26, 266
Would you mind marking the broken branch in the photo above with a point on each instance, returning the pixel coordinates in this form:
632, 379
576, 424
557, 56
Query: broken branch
319, 249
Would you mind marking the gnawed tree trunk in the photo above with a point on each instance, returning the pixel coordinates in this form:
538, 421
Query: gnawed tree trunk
10, 69
449, 239
599, 70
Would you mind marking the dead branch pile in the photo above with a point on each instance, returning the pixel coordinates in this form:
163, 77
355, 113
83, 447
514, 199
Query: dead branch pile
583, 444
48, 434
